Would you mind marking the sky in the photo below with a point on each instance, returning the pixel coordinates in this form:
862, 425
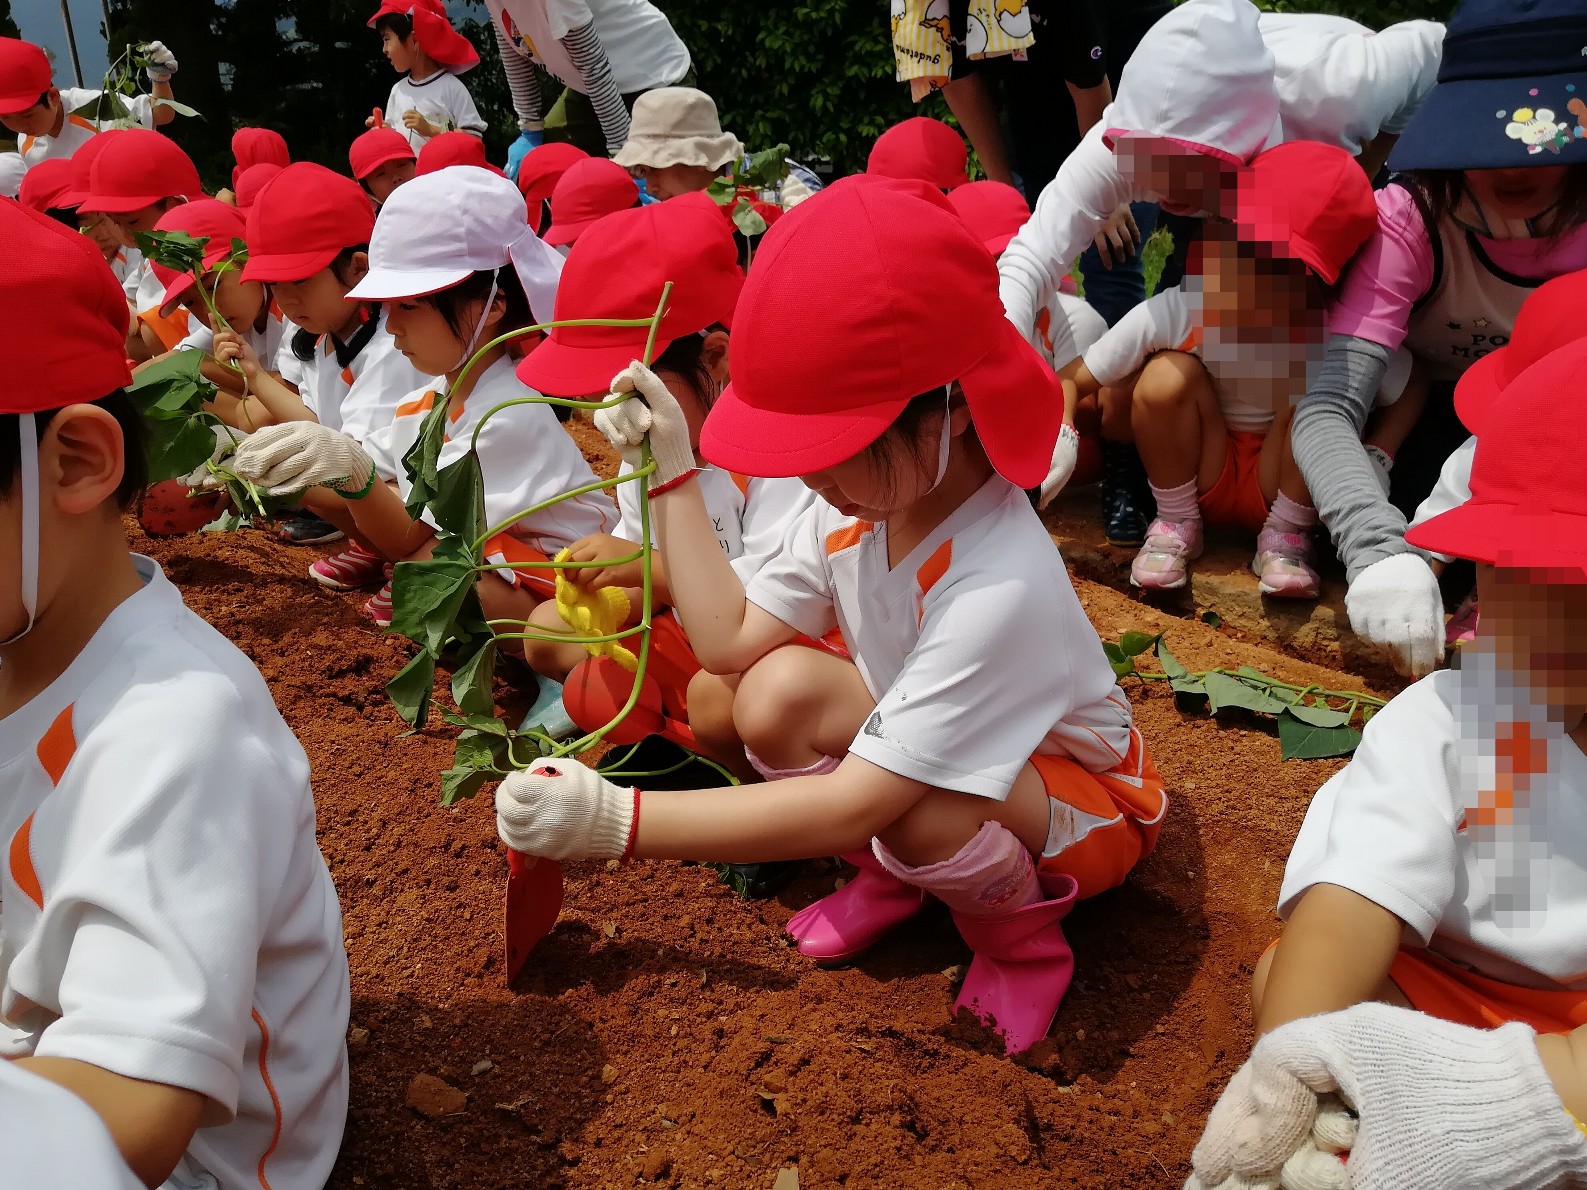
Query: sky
40, 22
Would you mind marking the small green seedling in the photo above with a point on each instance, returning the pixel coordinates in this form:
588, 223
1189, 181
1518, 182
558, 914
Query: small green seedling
1311, 723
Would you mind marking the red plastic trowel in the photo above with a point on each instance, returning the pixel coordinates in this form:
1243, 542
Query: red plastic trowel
534, 901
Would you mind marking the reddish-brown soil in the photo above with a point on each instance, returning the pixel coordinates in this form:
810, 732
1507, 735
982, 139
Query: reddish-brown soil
666, 1034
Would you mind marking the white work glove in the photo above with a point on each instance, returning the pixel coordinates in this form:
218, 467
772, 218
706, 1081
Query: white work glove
162, 62
653, 411
1315, 1165
1065, 454
559, 809
1395, 603
299, 455
1438, 1105
226, 441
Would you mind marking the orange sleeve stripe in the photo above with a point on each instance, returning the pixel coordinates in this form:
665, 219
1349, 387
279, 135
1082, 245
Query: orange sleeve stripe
275, 1100
423, 405
841, 539
27, 144
22, 869
82, 122
58, 745
741, 482
934, 567
347, 376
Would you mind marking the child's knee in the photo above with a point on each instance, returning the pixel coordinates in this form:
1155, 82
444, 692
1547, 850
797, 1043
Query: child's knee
774, 696
711, 700
1170, 378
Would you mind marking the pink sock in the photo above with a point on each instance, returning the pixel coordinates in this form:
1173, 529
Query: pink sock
989, 875
1177, 504
1289, 517
820, 768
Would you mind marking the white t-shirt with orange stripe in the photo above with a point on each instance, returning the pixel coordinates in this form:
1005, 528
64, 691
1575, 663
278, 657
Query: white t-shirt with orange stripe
750, 515
1402, 825
76, 130
525, 457
266, 342
164, 909
975, 646
354, 387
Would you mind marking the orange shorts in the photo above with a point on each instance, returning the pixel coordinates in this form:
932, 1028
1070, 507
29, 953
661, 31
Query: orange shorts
1236, 499
1443, 989
673, 663
170, 328
1116, 816
540, 582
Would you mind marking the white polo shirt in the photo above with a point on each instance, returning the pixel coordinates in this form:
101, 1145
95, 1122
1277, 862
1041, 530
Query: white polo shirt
442, 99
76, 130
751, 515
164, 910
1392, 826
974, 646
525, 456
354, 387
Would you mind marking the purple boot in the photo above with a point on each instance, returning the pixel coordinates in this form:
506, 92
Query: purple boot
844, 924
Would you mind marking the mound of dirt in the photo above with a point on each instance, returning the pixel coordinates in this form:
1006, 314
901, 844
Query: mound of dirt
666, 1034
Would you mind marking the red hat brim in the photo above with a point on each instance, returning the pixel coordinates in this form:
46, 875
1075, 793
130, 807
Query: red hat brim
557, 370
778, 444
288, 266
1510, 536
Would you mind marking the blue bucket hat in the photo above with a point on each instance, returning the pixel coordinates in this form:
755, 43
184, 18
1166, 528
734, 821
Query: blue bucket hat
1511, 92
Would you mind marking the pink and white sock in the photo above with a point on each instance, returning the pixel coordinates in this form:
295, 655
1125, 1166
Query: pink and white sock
1289, 516
991, 874
820, 768
1177, 504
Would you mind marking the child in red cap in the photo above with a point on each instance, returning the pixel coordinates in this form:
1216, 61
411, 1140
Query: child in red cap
616, 271
173, 945
538, 175
977, 749
924, 149
257, 146
588, 192
448, 289
418, 40
308, 240
381, 160
453, 148
1202, 377
1445, 868
134, 179
44, 117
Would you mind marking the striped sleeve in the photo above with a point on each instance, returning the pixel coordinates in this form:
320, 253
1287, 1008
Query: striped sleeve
595, 69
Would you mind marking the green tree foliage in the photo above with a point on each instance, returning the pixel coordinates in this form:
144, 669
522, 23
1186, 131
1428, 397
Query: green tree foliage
8, 26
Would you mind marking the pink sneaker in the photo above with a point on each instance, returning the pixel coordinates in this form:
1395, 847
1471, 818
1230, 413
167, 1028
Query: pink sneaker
1462, 626
378, 607
349, 570
1164, 561
1283, 563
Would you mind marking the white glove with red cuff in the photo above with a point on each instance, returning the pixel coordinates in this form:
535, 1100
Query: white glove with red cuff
654, 411
299, 455
559, 809
162, 62
1437, 1105
1065, 454
1395, 603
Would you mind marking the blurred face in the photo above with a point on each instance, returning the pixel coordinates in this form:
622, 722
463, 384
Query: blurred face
1517, 194
130, 223
1264, 299
319, 303
103, 232
38, 120
388, 177
401, 54
1184, 181
673, 180
1538, 626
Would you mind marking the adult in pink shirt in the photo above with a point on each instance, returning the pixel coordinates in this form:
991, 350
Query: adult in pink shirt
1491, 202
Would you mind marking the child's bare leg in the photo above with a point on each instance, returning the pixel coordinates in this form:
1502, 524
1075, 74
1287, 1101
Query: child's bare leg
796, 707
554, 659
711, 697
1113, 411
937, 826
503, 601
1176, 422
328, 506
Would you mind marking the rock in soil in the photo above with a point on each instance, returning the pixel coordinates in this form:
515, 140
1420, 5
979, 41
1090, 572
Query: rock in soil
430, 1096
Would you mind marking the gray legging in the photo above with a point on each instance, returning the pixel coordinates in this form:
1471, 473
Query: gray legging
1326, 437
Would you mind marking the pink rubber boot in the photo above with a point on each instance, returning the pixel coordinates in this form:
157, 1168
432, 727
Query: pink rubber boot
1022, 965
843, 925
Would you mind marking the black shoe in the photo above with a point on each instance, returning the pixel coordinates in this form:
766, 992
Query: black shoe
1127, 503
308, 530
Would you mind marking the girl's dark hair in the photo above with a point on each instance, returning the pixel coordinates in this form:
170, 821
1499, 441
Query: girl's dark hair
896, 446
685, 357
134, 435
302, 341
1442, 189
1319, 294
400, 23
65, 216
476, 288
